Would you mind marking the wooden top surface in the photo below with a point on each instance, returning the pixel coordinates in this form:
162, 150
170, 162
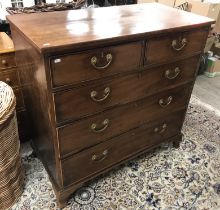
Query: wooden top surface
6, 44
48, 31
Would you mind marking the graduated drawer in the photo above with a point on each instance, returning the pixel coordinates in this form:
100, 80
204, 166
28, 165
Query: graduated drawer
9, 77
7, 61
102, 156
79, 102
94, 64
174, 46
90, 131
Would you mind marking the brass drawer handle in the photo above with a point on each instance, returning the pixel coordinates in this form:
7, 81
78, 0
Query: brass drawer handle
94, 126
100, 157
172, 74
4, 62
8, 80
179, 46
164, 103
105, 95
108, 59
161, 129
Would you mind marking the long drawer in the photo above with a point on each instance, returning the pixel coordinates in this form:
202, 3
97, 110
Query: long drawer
174, 46
87, 132
104, 155
91, 99
94, 64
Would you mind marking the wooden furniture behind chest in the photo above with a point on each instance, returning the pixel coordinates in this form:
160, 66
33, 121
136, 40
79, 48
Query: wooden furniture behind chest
104, 85
9, 75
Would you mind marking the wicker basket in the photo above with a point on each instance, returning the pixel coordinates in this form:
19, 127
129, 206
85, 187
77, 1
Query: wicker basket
11, 171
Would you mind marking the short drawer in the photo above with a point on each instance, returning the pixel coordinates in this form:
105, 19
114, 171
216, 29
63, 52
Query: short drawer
7, 61
84, 101
19, 98
174, 46
90, 131
94, 64
10, 77
102, 156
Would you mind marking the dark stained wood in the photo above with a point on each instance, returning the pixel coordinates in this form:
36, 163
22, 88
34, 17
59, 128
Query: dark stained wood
119, 148
19, 98
23, 125
71, 69
10, 77
51, 32
79, 135
177, 142
167, 52
57, 95
7, 61
123, 89
33, 78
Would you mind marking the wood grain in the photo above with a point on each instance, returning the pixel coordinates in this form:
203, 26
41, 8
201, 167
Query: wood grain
68, 29
6, 44
7, 61
118, 148
77, 136
123, 89
10, 77
167, 52
73, 69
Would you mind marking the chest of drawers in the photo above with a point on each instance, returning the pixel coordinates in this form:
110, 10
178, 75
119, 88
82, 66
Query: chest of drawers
9, 75
105, 85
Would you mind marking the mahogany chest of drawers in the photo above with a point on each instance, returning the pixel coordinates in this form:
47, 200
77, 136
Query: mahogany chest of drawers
9, 75
104, 85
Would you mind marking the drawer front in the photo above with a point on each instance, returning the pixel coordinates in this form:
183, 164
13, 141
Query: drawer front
80, 102
19, 98
87, 132
174, 46
23, 126
7, 61
10, 77
95, 159
94, 64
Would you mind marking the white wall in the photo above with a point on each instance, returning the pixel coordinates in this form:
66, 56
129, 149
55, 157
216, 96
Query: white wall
28, 3
3, 5
54, 1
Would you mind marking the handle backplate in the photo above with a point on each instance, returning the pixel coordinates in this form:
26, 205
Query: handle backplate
94, 61
161, 129
178, 45
98, 129
101, 156
172, 74
105, 95
165, 102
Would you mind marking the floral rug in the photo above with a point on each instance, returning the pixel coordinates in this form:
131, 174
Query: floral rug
187, 178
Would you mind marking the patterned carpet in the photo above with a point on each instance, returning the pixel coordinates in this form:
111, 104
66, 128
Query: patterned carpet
187, 178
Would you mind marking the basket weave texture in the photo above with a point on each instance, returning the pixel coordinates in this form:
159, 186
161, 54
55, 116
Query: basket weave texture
11, 171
